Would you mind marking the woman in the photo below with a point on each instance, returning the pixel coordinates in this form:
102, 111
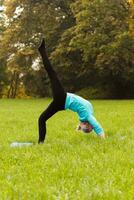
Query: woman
63, 101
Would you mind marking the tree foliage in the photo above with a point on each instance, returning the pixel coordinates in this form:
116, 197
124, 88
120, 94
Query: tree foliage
90, 43
101, 36
131, 19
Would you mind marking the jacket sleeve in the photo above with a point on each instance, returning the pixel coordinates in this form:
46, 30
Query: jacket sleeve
95, 124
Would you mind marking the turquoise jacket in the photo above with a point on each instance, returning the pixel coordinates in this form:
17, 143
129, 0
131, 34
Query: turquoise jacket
84, 110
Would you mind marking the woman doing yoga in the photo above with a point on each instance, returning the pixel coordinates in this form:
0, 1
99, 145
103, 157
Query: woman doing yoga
63, 101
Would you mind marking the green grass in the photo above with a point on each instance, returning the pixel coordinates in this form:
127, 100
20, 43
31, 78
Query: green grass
70, 165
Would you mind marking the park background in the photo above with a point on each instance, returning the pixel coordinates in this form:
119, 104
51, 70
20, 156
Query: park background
91, 46
89, 42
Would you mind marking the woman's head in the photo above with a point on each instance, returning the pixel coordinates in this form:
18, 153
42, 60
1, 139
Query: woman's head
85, 127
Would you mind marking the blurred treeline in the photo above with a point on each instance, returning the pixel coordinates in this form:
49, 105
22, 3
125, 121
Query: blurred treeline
89, 42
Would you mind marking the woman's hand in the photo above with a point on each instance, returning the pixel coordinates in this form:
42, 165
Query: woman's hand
102, 135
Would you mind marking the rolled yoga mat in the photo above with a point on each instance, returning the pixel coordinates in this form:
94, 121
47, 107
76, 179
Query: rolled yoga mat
20, 144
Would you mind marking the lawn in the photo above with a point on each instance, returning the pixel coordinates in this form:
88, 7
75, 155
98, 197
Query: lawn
70, 165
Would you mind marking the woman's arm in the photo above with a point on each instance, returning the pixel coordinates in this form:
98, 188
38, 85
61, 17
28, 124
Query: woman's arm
96, 126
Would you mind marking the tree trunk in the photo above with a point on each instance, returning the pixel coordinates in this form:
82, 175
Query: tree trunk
12, 92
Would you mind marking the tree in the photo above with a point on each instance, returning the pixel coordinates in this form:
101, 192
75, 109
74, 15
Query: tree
27, 22
131, 19
3, 76
101, 36
89, 42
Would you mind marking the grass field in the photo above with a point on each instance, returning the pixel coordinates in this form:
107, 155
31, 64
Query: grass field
70, 165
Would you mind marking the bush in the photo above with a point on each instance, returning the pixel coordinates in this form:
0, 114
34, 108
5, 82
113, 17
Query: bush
95, 93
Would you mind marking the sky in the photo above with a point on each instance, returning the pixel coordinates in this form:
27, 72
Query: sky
1, 8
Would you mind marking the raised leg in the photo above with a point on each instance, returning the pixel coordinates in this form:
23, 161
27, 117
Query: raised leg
57, 88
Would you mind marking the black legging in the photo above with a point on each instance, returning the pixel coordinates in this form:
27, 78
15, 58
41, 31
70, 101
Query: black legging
59, 95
